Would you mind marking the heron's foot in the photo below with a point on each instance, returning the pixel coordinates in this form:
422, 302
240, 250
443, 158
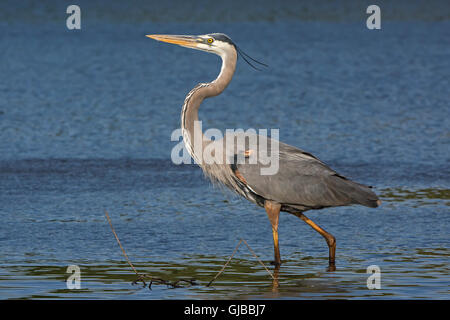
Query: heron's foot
331, 267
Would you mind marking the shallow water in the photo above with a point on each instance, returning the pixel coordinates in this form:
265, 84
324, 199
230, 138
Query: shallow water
85, 125
173, 225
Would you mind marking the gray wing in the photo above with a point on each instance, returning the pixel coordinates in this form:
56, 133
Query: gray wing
304, 181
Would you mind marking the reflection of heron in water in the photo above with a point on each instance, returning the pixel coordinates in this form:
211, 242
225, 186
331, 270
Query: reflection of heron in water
302, 182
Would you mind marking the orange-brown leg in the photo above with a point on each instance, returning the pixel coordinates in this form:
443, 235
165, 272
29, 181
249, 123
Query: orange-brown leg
331, 240
273, 212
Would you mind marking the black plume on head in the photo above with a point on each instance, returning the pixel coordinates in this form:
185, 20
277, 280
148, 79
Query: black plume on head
223, 37
245, 56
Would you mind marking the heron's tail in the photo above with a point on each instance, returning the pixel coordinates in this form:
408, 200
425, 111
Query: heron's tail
356, 192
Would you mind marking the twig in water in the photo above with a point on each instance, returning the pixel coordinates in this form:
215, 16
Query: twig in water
258, 259
141, 277
225, 265
231, 257
120, 245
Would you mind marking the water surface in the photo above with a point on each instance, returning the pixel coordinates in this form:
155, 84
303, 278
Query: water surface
85, 125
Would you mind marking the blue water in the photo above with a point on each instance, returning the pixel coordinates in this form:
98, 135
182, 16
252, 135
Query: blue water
85, 124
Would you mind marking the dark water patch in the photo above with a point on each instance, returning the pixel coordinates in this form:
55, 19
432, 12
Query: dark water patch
229, 11
419, 197
92, 175
400, 194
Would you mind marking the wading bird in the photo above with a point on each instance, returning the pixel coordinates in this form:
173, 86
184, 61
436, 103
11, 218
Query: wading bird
302, 181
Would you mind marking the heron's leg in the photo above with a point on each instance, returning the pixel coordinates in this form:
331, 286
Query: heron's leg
331, 240
273, 212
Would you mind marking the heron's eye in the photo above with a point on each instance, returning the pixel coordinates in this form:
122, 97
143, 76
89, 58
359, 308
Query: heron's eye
210, 40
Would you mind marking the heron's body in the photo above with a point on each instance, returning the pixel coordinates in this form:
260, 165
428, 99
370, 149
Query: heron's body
302, 181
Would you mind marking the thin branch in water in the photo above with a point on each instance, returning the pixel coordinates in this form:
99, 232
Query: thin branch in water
225, 265
120, 245
141, 277
231, 257
169, 284
270, 273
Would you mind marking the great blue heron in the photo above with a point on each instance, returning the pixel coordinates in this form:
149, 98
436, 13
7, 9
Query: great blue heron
302, 182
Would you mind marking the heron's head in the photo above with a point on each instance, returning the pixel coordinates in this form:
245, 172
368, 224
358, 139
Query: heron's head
217, 43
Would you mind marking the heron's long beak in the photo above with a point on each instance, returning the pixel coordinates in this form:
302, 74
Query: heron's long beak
185, 41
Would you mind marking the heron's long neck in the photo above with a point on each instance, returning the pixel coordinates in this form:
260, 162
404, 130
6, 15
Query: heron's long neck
190, 125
